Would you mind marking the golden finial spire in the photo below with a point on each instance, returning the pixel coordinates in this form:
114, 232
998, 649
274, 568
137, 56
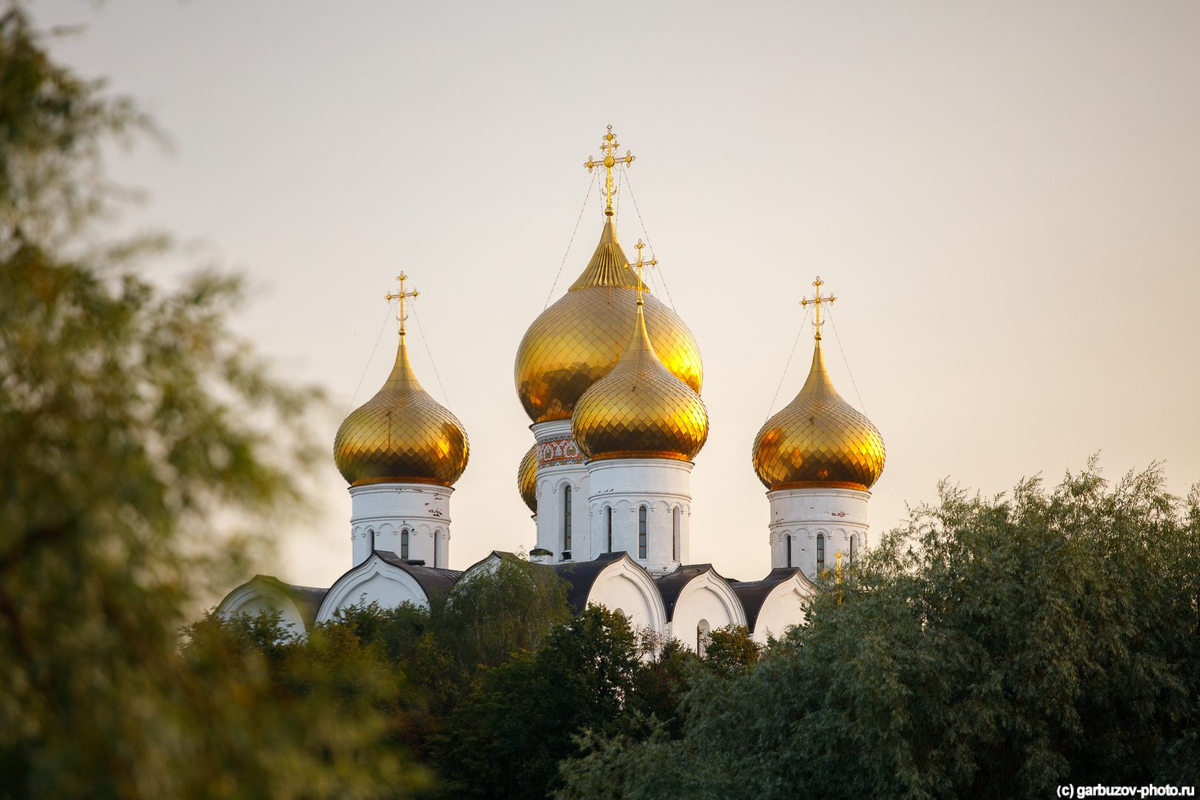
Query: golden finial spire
638, 266
816, 301
401, 313
609, 146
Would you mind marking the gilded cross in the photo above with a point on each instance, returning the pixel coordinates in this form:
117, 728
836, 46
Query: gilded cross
816, 301
638, 266
609, 146
401, 313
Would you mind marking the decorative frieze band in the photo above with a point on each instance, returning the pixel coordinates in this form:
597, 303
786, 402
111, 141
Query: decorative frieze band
555, 452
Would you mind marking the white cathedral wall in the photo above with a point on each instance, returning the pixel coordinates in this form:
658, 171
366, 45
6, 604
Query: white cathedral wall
803, 514
783, 608
561, 464
663, 487
706, 599
255, 598
374, 581
624, 587
388, 509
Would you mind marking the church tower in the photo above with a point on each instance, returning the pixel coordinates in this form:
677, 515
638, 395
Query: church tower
818, 458
571, 345
401, 452
640, 426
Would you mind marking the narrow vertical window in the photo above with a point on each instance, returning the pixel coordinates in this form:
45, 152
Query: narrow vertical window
566, 518
404, 544
610, 547
437, 541
675, 535
820, 551
371, 532
642, 532
853, 539
702, 630
787, 541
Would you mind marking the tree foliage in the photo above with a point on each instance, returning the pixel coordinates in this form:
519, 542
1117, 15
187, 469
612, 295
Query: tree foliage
130, 418
990, 648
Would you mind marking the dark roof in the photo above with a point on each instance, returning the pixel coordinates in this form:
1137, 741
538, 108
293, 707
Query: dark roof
754, 593
430, 579
580, 575
670, 586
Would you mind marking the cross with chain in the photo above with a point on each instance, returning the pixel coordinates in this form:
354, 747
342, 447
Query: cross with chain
816, 301
638, 266
609, 146
401, 314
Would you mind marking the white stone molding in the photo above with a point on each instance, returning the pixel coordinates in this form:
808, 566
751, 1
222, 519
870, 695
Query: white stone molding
374, 580
708, 597
627, 587
258, 595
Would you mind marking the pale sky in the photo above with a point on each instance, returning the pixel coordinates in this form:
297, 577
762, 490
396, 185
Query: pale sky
1005, 197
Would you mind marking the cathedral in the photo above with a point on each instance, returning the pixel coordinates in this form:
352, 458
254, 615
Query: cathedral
611, 379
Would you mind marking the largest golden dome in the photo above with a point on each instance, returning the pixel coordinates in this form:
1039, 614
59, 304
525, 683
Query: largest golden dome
401, 435
578, 340
818, 439
640, 409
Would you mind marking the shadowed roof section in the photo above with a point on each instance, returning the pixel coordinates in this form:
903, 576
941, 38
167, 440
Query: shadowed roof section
581, 575
671, 586
430, 579
754, 593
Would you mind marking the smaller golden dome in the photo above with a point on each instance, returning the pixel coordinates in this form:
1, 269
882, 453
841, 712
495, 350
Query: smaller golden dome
401, 435
527, 478
640, 409
818, 439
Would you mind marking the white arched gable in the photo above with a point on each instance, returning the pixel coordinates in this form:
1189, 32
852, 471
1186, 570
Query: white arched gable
784, 607
626, 585
376, 581
260, 595
707, 597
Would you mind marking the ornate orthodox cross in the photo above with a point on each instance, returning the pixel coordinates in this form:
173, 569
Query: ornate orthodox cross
401, 313
609, 146
816, 301
638, 266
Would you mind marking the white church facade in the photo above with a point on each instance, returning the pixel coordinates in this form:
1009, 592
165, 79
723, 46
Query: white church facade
611, 379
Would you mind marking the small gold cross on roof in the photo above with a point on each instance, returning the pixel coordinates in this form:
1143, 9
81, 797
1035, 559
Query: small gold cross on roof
609, 146
401, 312
817, 301
638, 266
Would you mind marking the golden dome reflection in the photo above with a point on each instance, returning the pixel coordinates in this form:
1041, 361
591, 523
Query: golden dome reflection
818, 439
527, 478
401, 435
640, 409
578, 340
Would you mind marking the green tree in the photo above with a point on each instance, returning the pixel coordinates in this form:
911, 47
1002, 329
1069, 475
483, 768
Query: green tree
129, 415
519, 721
992, 647
498, 612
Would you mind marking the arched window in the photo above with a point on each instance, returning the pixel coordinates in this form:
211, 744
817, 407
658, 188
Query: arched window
566, 518
642, 532
437, 544
371, 533
675, 534
820, 551
787, 540
610, 547
702, 631
404, 544
853, 539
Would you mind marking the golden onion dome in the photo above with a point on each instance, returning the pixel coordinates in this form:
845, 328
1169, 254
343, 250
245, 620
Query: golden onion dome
640, 409
527, 478
401, 435
577, 340
818, 439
